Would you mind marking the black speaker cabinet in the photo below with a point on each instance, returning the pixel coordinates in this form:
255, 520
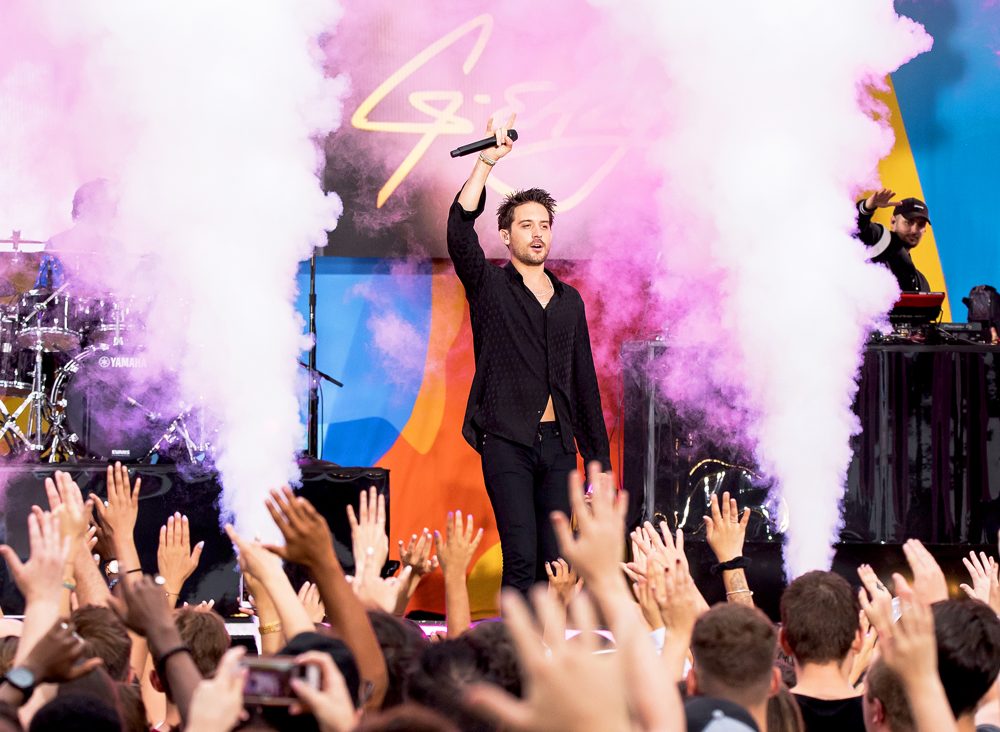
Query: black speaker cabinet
170, 488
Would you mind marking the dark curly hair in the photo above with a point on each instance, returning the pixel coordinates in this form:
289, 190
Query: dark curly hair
505, 212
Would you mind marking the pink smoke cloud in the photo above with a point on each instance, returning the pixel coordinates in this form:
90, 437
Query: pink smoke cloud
211, 130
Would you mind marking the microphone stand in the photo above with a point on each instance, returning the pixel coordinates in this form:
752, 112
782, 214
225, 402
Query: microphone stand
312, 419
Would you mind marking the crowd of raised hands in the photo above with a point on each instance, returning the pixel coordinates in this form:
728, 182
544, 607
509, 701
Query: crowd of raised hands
621, 638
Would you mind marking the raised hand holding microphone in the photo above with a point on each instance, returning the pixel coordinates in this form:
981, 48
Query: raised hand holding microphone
473, 188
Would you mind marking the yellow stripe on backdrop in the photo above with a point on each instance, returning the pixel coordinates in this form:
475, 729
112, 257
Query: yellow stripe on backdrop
898, 171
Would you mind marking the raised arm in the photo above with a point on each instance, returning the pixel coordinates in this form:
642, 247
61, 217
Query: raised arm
870, 233
725, 530
454, 552
307, 542
463, 243
473, 189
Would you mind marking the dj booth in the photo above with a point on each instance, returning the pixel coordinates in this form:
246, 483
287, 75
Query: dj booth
926, 464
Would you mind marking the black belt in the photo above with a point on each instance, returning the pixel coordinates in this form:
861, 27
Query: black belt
547, 430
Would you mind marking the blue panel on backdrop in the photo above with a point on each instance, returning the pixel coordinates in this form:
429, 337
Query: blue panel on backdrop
950, 102
373, 322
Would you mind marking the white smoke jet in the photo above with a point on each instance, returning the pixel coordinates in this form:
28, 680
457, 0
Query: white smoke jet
217, 108
765, 138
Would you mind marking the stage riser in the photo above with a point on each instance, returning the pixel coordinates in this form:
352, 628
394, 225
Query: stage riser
924, 465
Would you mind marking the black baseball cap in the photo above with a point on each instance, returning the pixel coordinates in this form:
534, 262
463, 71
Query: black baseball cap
913, 208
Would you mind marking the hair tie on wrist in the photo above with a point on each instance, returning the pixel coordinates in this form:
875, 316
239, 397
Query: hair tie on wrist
133, 571
735, 563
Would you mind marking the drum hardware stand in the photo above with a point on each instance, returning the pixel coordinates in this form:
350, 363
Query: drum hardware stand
177, 432
35, 400
9, 426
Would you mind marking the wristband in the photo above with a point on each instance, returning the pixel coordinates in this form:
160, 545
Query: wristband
489, 161
267, 628
133, 571
735, 563
740, 592
69, 585
161, 663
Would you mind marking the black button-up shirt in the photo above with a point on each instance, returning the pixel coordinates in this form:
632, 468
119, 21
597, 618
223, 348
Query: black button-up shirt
524, 352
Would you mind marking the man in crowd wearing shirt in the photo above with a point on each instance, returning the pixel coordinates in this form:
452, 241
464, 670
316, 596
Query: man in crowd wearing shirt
534, 398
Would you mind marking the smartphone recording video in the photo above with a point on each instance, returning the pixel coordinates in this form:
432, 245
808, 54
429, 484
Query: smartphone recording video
269, 680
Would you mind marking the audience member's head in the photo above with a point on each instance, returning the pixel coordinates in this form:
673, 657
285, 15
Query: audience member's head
407, 717
279, 717
8, 649
401, 642
734, 648
90, 703
206, 635
783, 714
131, 708
820, 618
885, 705
106, 637
496, 655
968, 649
76, 713
440, 679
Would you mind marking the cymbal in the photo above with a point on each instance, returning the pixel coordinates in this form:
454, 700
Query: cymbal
18, 271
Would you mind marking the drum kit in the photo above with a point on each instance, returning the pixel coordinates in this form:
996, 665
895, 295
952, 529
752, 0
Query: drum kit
75, 381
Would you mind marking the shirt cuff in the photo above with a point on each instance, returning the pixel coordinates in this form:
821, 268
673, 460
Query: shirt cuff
659, 636
464, 215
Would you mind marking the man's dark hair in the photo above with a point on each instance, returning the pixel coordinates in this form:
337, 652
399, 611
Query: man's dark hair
819, 615
882, 683
408, 717
131, 708
205, 634
734, 648
496, 655
402, 642
76, 712
505, 212
104, 636
440, 679
90, 703
968, 649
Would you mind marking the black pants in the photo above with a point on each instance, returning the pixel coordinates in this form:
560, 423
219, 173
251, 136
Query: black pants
525, 485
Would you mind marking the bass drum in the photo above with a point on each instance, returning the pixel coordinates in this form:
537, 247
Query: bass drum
114, 404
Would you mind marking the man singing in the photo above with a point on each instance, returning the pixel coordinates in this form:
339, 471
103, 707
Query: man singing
535, 390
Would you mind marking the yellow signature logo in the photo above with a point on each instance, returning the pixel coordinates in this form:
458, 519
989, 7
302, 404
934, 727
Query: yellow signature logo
441, 109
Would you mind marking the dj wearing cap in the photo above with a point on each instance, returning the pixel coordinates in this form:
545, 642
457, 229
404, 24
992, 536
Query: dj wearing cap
892, 246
